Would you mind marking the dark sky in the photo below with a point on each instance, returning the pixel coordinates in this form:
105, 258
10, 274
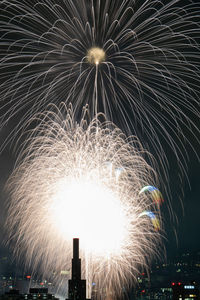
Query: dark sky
181, 235
188, 214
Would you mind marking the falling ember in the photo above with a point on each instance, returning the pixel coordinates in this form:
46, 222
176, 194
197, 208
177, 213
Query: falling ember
67, 184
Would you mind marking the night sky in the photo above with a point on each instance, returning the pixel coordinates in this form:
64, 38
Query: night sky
182, 235
188, 224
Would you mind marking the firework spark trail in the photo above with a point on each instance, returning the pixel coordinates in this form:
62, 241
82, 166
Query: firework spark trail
83, 180
136, 61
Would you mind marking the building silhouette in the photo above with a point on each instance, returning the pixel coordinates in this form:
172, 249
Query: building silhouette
77, 286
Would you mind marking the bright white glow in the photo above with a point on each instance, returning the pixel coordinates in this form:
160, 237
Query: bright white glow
83, 180
96, 55
91, 212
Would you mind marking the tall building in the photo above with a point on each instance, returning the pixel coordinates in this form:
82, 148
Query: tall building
77, 286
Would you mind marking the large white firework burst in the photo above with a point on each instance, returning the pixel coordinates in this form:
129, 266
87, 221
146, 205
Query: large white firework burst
137, 61
83, 180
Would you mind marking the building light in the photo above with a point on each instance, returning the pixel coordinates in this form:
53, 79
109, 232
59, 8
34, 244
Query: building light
190, 287
166, 290
64, 272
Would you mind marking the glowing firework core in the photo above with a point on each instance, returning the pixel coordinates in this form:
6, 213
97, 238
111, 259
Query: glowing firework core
96, 55
84, 180
95, 215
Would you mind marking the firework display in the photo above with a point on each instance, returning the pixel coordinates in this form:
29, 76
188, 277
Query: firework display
137, 61
77, 77
67, 185
155, 193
